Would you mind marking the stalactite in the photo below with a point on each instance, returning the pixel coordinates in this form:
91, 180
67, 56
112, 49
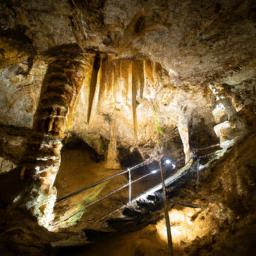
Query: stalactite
94, 105
136, 79
104, 78
129, 83
41, 162
157, 72
93, 84
116, 92
149, 71
124, 75
111, 85
140, 68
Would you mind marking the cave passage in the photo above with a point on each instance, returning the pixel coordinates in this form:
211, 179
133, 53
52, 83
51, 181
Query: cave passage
94, 95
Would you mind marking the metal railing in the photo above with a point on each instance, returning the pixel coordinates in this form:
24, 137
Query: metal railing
112, 192
129, 170
147, 161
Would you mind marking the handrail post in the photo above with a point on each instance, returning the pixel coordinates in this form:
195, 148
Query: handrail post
167, 218
130, 185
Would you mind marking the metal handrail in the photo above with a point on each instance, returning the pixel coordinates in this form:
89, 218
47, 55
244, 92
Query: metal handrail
108, 195
116, 190
98, 182
103, 180
167, 181
180, 171
128, 170
91, 186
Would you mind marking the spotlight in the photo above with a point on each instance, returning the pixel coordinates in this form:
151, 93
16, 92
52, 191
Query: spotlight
170, 163
167, 161
200, 167
154, 171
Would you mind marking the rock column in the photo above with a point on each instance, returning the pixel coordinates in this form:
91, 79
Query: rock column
229, 126
63, 80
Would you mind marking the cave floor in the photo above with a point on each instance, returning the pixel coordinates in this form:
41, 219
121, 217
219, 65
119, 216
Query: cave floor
143, 242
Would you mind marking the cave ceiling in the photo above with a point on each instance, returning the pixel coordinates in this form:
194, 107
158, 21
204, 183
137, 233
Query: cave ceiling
195, 41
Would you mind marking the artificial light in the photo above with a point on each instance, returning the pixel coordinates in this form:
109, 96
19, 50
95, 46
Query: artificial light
170, 162
167, 161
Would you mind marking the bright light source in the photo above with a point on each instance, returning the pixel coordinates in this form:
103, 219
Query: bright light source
170, 162
167, 161
154, 171
200, 167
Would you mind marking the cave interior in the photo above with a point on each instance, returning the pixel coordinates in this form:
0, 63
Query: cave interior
117, 116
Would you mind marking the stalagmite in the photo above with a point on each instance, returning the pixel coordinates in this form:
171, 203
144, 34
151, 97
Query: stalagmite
112, 154
184, 135
61, 85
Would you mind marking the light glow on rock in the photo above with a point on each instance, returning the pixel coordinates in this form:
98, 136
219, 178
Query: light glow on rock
183, 228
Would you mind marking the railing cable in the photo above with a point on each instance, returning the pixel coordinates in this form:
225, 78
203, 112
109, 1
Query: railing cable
103, 180
106, 196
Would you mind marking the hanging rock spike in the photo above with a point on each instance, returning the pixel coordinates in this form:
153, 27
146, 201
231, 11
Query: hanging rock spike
136, 77
124, 76
93, 83
149, 71
104, 79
